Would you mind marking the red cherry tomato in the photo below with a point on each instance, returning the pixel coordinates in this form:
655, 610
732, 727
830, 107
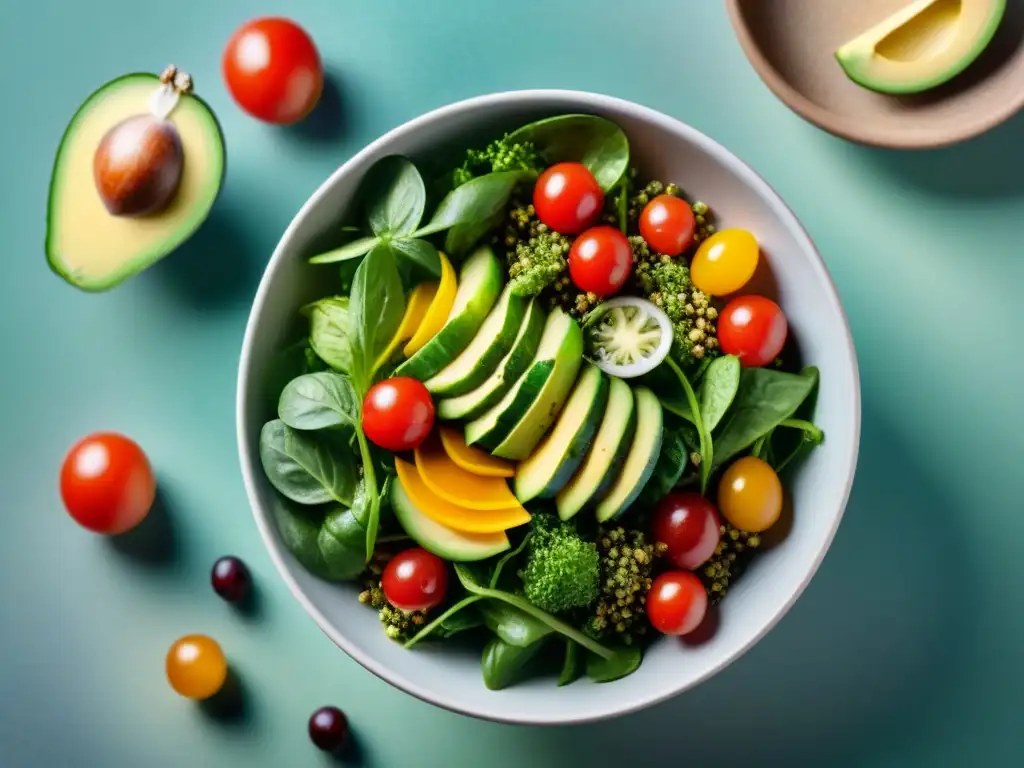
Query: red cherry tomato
107, 484
415, 580
600, 260
688, 524
667, 224
753, 328
676, 603
567, 198
398, 414
273, 70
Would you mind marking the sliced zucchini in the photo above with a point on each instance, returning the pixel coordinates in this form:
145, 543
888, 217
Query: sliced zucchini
476, 403
478, 361
480, 282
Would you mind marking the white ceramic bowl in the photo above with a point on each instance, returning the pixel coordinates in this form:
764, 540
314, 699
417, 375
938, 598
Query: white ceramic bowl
664, 148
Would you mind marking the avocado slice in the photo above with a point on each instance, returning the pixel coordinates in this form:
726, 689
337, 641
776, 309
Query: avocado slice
559, 455
921, 46
607, 452
640, 460
94, 249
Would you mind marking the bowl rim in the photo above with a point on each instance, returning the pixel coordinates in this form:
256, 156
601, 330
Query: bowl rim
581, 100
845, 129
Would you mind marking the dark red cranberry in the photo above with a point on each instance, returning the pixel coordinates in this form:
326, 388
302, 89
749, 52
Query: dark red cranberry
230, 579
328, 728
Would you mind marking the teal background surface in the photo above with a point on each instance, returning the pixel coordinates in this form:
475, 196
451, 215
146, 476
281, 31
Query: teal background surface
908, 646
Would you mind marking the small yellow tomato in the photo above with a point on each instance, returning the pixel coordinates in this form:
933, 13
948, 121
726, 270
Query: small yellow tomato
750, 495
196, 667
725, 262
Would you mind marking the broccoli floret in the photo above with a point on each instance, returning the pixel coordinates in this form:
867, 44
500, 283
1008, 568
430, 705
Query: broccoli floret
561, 570
536, 255
666, 282
498, 156
626, 562
398, 625
733, 552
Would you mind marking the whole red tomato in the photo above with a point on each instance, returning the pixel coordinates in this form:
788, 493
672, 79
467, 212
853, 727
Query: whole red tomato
667, 224
398, 414
689, 526
106, 483
273, 70
415, 580
754, 329
567, 198
677, 603
600, 260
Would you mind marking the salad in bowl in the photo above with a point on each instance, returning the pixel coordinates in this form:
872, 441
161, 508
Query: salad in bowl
540, 408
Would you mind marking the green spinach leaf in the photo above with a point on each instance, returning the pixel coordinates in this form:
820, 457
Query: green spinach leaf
305, 468
504, 664
350, 250
468, 578
467, 618
703, 435
318, 401
376, 306
321, 539
597, 142
663, 381
448, 617
329, 331
421, 253
461, 238
572, 670
811, 437
506, 559
625, 661
765, 398
511, 624
718, 389
396, 194
475, 201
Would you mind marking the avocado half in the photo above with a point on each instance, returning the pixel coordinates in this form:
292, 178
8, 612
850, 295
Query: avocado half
921, 46
94, 249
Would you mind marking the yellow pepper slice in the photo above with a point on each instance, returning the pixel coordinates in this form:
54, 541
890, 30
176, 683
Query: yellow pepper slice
416, 309
440, 308
471, 458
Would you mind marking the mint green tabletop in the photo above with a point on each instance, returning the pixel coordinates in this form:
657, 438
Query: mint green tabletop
908, 646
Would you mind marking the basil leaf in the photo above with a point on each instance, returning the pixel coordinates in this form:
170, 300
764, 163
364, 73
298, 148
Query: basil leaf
669, 468
571, 667
504, 664
352, 250
597, 142
475, 201
329, 331
764, 399
462, 237
376, 306
397, 196
624, 662
303, 468
342, 543
512, 625
318, 401
419, 252
718, 389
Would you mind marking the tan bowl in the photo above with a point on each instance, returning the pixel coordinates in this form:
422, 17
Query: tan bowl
791, 44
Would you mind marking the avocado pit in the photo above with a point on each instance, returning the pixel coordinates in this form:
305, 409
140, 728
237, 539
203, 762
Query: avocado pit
138, 166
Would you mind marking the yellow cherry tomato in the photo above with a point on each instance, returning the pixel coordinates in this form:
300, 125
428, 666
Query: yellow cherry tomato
196, 667
725, 262
750, 495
